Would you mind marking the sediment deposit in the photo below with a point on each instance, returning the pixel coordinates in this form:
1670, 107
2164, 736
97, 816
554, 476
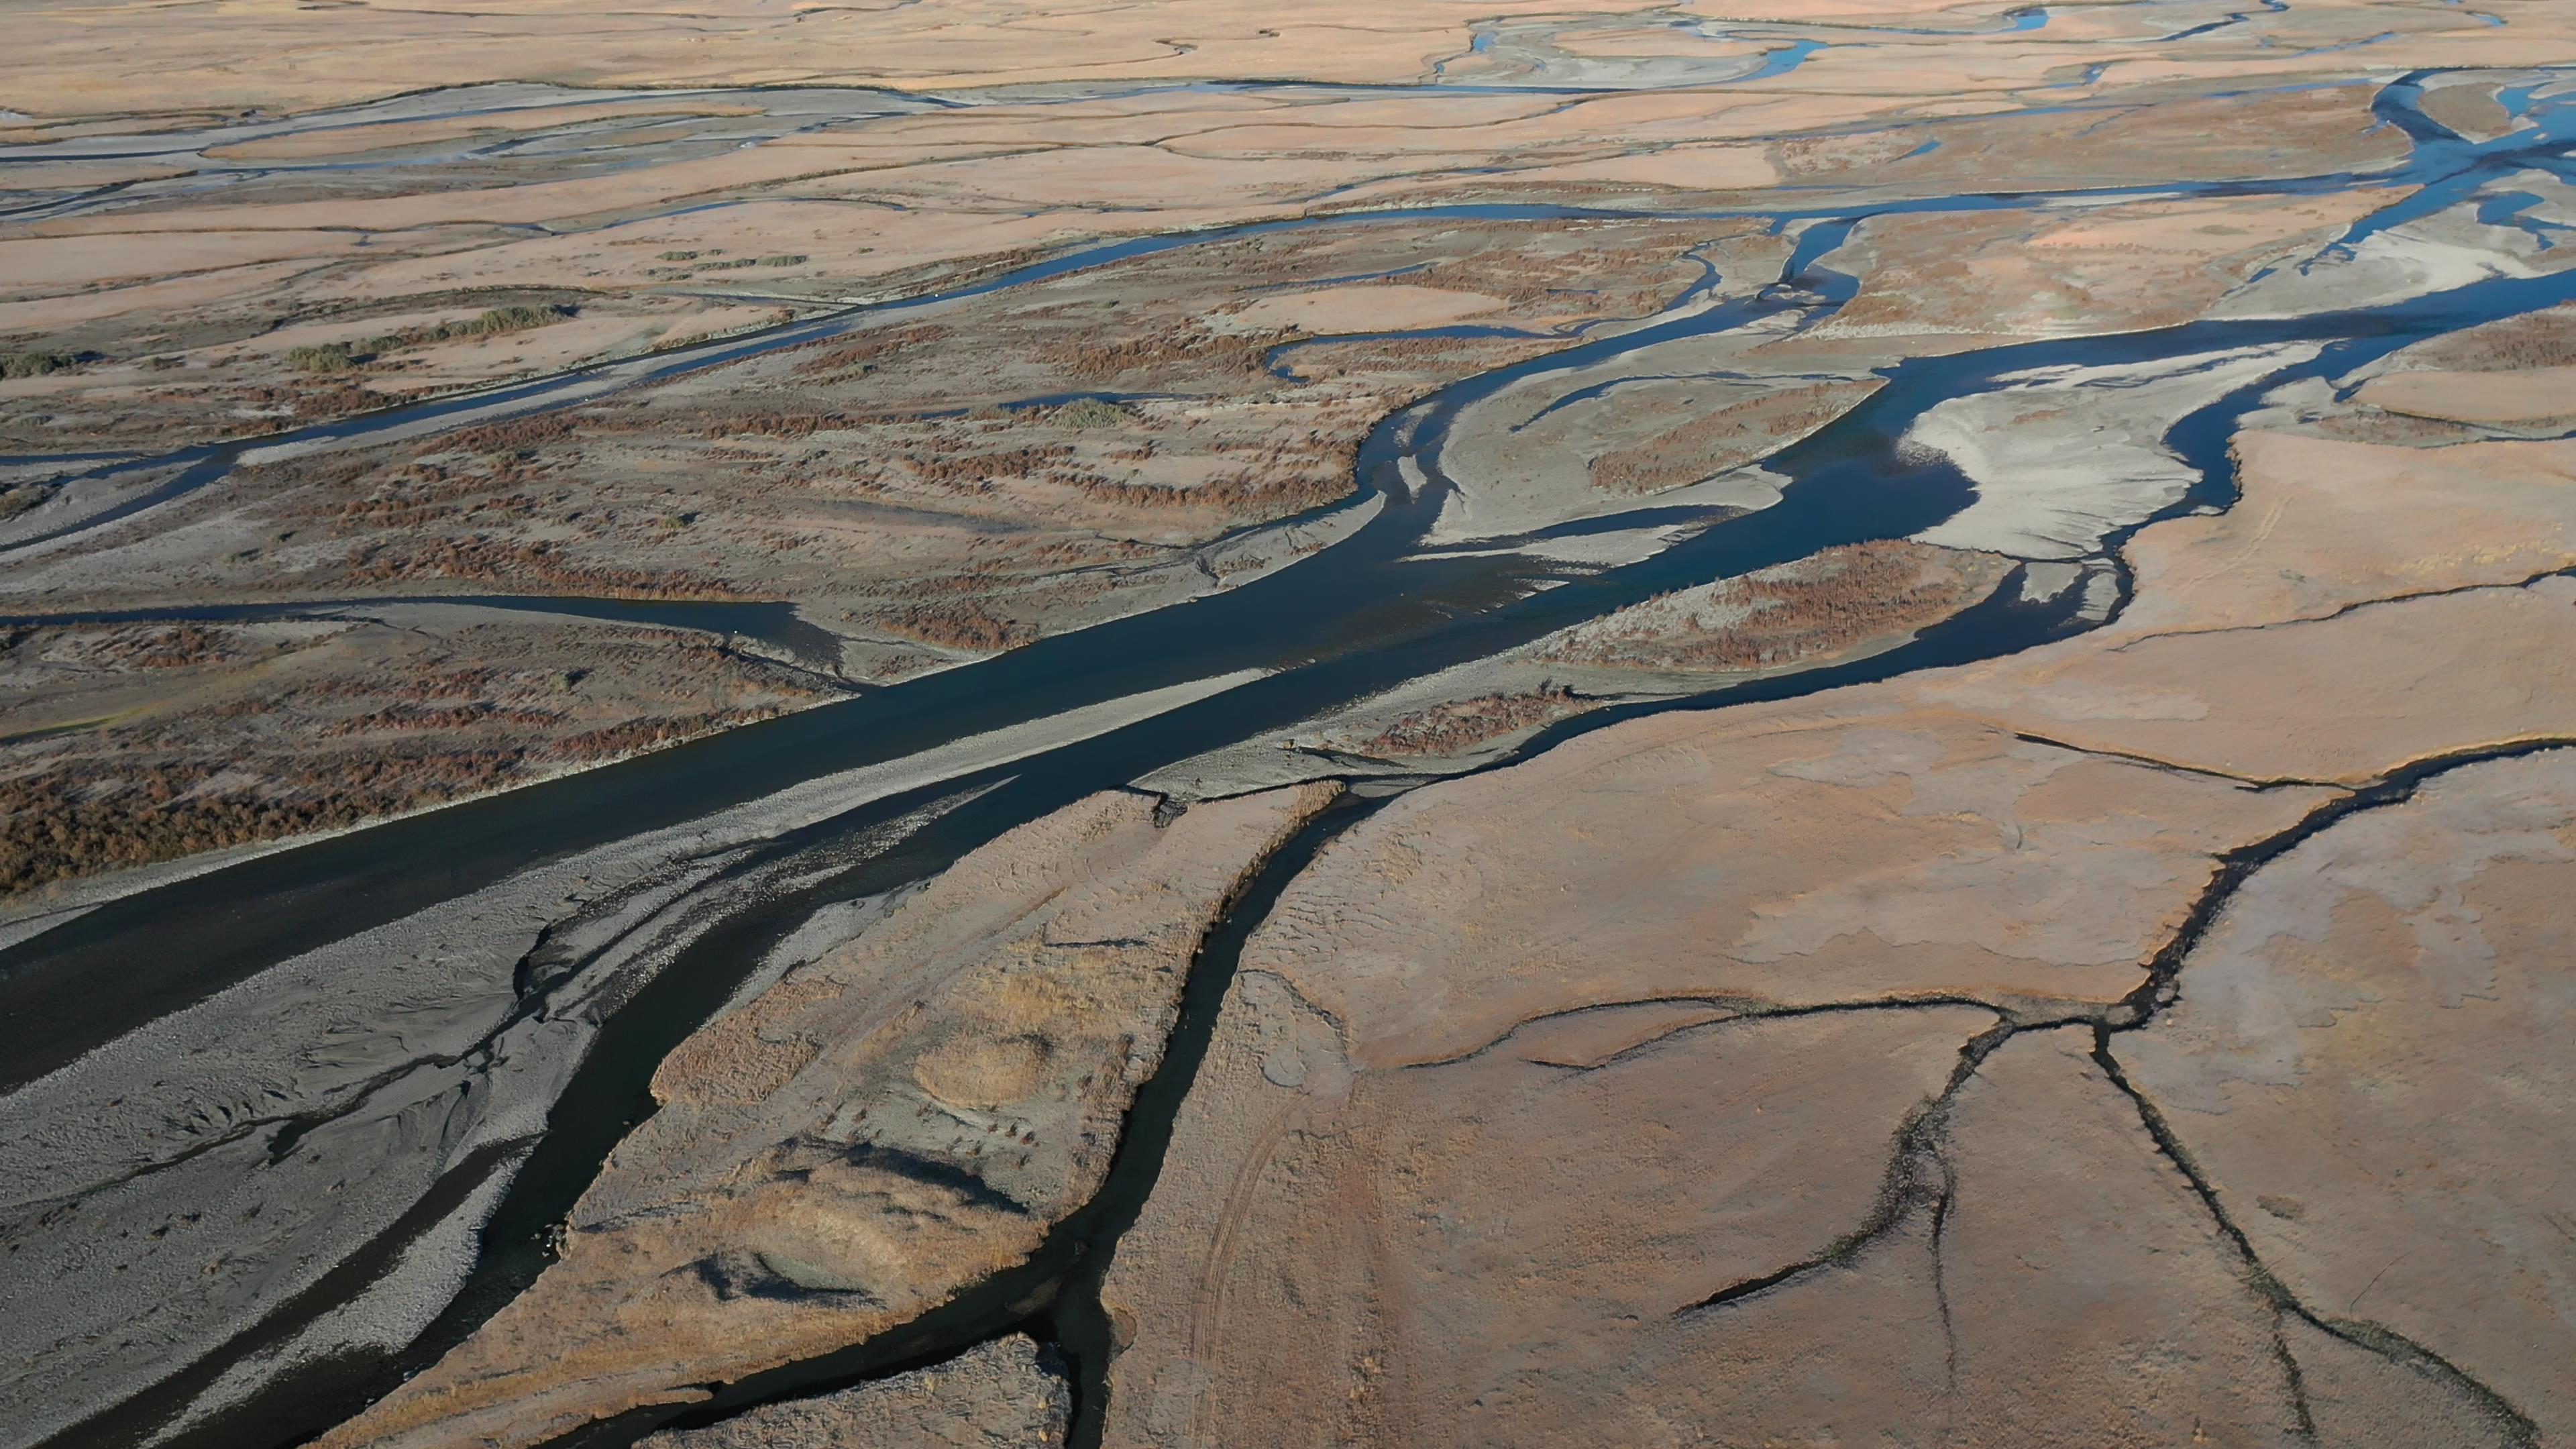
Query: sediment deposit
1007, 1394
879, 1130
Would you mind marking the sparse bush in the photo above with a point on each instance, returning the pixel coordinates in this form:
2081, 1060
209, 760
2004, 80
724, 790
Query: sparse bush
1092, 412
502, 319
786, 259
1794, 612
856, 354
329, 357
966, 625
342, 356
1447, 729
2533, 340
680, 256
36, 364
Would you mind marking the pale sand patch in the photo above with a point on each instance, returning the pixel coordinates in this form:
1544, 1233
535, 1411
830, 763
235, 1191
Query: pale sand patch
1358, 308
840, 239
2063, 456
1688, 168
715, 321
546, 201
114, 253
2325, 524
1085, 121
1509, 126
260, 52
2064, 270
2341, 699
2388, 998
2476, 397
1129, 176
47, 314
550, 348
349, 140
72, 175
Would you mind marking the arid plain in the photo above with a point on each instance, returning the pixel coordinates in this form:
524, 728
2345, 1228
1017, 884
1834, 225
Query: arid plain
1765, 722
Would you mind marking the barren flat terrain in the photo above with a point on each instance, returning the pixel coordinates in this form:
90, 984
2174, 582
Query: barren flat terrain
1824, 722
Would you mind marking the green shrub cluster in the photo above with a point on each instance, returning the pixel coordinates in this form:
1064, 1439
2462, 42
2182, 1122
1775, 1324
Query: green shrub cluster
329, 357
35, 364
341, 356
1091, 412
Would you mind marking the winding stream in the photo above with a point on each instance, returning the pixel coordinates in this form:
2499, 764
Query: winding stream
1364, 615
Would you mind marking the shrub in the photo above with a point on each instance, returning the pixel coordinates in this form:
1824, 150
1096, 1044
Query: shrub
35, 364
17, 500
504, 319
340, 356
329, 357
790, 259
1092, 412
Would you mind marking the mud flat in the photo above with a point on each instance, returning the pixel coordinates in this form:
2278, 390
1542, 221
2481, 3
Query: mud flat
1011, 1391
1513, 1051
2365, 1043
301, 1116
2062, 457
877, 1131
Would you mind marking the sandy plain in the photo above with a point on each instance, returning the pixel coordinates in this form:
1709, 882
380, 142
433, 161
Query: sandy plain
2131, 1035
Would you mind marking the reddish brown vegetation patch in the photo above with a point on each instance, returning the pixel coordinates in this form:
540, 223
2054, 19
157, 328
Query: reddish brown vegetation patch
1727, 438
839, 356
1793, 614
1203, 354
1447, 729
2533, 340
966, 625
96, 816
